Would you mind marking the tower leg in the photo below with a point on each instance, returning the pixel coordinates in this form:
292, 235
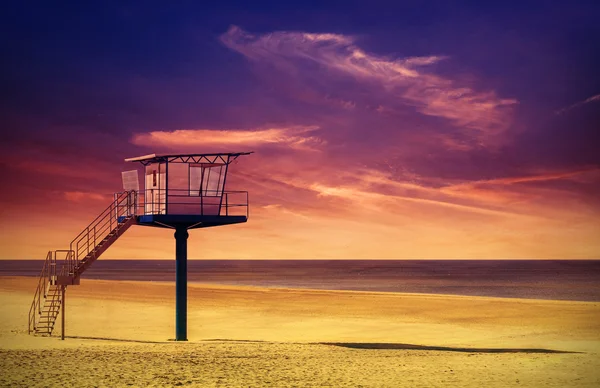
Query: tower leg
181, 236
62, 315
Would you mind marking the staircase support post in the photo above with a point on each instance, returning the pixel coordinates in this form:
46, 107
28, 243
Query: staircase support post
62, 319
181, 236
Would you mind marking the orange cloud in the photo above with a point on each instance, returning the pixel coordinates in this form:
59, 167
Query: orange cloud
297, 137
387, 202
548, 176
80, 196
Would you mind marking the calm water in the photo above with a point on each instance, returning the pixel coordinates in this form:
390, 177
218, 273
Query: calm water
548, 279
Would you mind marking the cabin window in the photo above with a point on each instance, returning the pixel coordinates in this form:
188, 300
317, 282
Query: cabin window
206, 180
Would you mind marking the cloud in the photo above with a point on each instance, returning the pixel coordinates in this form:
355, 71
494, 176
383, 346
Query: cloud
388, 202
80, 196
379, 192
577, 104
547, 176
409, 81
296, 137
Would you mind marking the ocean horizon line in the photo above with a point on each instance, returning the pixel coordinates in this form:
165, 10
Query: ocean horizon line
331, 259
529, 279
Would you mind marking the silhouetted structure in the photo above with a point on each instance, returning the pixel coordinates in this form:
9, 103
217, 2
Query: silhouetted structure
181, 192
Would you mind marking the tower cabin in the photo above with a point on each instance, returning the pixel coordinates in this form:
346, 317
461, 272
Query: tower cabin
186, 191
181, 192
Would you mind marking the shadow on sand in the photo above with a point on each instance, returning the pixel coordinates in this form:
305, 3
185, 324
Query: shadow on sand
356, 345
395, 346
115, 339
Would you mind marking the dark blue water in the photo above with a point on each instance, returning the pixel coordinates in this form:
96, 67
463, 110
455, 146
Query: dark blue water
537, 279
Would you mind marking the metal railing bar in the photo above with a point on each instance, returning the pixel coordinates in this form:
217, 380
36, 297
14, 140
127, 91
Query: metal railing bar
102, 214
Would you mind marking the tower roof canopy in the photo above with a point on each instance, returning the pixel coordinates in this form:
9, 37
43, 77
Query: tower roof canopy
217, 158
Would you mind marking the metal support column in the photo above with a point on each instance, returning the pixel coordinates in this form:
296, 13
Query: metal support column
181, 236
62, 319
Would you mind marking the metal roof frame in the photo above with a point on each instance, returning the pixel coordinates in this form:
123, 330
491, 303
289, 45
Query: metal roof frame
217, 158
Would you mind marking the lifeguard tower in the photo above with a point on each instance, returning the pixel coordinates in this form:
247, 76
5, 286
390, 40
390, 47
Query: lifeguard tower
181, 192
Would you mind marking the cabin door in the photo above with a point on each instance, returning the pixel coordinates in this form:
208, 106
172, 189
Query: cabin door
155, 192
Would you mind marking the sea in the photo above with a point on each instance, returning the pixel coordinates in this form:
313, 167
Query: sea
576, 280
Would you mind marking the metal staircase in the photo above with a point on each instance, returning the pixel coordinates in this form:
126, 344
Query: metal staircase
64, 267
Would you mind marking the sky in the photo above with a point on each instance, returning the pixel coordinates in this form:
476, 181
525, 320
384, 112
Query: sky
387, 130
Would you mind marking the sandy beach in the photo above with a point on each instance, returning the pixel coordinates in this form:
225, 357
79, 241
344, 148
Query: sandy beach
118, 335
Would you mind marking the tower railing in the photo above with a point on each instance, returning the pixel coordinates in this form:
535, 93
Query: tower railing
196, 202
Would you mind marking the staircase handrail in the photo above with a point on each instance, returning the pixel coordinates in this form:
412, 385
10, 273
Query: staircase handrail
87, 239
46, 276
124, 205
110, 207
67, 262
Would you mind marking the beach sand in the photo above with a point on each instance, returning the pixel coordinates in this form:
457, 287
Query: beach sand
118, 335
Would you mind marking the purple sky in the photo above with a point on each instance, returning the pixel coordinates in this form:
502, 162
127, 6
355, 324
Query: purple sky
404, 131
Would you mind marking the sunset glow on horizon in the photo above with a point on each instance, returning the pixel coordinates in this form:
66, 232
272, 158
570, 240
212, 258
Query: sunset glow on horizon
470, 135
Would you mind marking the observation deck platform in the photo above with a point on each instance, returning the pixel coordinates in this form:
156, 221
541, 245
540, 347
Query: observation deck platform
191, 221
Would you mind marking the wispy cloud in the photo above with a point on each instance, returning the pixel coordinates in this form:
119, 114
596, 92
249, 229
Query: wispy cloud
297, 137
372, 189
81, 196
409, 80
541, 177
577, 104
389, 202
